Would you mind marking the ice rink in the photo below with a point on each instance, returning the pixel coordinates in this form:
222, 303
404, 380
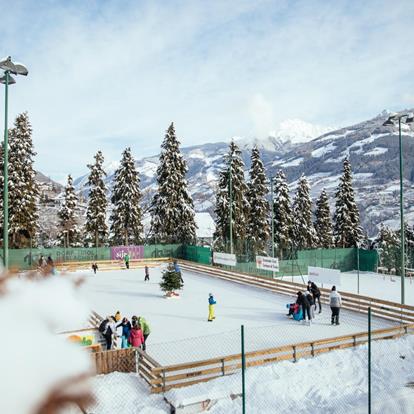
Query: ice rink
179, 328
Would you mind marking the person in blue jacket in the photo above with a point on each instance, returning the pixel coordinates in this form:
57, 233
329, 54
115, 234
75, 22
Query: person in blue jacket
211, 303
126, 329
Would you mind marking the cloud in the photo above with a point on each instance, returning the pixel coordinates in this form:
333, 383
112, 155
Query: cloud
106, 75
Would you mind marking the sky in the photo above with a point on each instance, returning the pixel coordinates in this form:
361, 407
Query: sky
106, 75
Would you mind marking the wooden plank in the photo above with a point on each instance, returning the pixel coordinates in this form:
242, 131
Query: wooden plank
183, 384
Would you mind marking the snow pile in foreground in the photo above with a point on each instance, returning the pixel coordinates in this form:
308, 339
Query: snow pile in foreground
34, 360
336, 382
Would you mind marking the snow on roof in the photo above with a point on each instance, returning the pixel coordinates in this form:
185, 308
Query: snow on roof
205, 224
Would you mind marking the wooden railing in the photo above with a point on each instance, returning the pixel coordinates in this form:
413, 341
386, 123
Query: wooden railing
112, 264
381, 308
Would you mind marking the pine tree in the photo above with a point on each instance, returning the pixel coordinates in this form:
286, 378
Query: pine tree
171, 280
126, 217
304, 235
69, 234
388, 245
323, 222
96, 230
238, 189
258, 231
22, 190
347, 229
282, 213
172, 208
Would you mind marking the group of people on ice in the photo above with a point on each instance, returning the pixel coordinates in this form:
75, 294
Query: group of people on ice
134, 333
305, 306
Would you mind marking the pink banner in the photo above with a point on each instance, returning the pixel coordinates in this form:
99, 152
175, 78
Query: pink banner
135, 252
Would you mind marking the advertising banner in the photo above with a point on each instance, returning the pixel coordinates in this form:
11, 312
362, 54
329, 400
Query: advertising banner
267, 263
322, 275
224, 259
135, 252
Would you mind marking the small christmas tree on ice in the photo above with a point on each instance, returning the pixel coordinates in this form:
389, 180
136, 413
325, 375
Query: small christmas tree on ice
170, 282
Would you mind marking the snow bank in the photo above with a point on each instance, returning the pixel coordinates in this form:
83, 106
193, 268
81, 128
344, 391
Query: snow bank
33, 359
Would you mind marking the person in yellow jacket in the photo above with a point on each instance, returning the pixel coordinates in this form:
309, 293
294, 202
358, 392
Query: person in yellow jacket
211, 303
117, 316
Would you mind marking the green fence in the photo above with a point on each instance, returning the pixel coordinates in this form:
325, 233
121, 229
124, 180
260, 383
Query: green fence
24, 258
163, 250
196, 254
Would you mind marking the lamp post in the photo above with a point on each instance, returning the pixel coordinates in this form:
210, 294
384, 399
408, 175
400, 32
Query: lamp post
409, 118
231, 200
358, 246
14, 68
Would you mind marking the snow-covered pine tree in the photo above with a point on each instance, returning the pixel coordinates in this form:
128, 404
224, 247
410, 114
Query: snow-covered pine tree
388, 246
258, 231
304, 235
172, 208
96, 230
323, 222
23, 191
282, 213
347, 228
69, 234
240, 206
126, 217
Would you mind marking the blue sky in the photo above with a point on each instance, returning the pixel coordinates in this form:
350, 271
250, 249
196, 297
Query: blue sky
110, 74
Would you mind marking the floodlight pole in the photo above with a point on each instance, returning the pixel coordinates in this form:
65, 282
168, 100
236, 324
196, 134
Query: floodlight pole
231, 201
6, 178
273, 221
402, 216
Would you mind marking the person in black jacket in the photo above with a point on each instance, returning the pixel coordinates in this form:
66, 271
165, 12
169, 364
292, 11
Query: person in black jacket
316, 293
303, 301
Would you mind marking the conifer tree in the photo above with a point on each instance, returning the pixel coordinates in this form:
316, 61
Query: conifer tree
347, 228
96, 230
69, 234
388, 245
22, 189
126, 217
282, 213
258, 231
236, 196
171, 281
304, 235
323, 222
172, 208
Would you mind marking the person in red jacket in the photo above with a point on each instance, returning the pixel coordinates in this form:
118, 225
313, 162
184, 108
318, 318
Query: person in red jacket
136, 337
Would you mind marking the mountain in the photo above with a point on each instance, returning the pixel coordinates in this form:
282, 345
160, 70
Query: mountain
372, 148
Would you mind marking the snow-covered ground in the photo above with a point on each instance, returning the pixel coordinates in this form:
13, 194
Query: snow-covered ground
336, 382
180, 331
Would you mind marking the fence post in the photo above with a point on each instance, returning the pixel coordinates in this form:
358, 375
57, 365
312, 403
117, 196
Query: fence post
369, 360
243, 371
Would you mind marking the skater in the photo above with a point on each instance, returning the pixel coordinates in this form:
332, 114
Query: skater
126, 260
126, 329
312, 305
108, 329
303, 302
316, 293
136, 338
335, 302
178, 270
42, 261
146, 330
50, 265
146, 274
94, 267
211, 303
